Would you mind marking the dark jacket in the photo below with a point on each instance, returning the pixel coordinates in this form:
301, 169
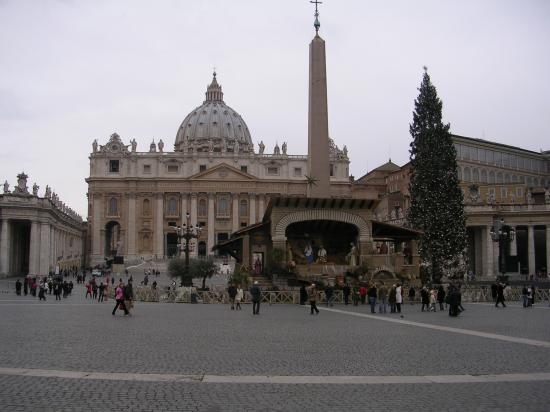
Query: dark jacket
256, 293
128, 292
232, 291
441, 294
372, 292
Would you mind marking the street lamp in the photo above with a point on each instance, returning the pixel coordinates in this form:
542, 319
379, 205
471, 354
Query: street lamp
503, 234
185, 233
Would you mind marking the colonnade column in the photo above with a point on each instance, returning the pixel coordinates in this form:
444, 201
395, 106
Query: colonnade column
211, 223
261, 210
547, 250
45, 248
184, 209
97, 253
131, 227
531, 248
159, 226
235, 213
193, 212
5, 247
490, 247
52, 247
34, 252
252, 208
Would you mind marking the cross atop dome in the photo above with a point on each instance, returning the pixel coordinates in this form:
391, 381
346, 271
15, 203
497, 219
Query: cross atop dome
316, 23
214, 90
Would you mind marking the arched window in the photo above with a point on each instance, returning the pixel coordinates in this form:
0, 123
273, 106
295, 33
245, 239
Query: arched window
499, 178
467, 175
243, 208
506, 178
172, 207
476, 176
113, 207
491, 177
484, 176
202, 208
459, 169
146, 207
222, 206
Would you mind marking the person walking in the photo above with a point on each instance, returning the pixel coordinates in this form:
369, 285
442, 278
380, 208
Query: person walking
256, 293
329, 294
26, 286
18, 286
42, 291
57, 290
372, 292
346, 292
392, 299
382, 298
433, 300
363, 294
412, 294
119, 297
500, 294
440, 296
101, 289
94, 289
129, 295
494, 291
232, 292
312, 297
398, 297
425, 298
355, 295
454, 300
239, 297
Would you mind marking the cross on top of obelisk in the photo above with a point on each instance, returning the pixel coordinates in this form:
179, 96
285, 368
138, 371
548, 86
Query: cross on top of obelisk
316, 24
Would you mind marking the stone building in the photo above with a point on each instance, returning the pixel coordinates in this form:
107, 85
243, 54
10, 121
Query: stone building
502, 185
215, 174
38, 234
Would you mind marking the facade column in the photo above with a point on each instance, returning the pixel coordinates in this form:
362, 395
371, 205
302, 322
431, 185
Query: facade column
547, 250
5, 247
193, 212
45, 248
490, 247
131, 227
97, 252
159, 227
514, 244
261, 210
184, 209
235, 212
531, 248
252, 208
34, 253
210, 223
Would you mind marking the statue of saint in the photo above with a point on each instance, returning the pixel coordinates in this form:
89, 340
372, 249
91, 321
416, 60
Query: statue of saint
134, 144
262, 147
94, 145
236, 147
530, 199
210, 145
153, 147
276, 150
352, 255
6, 187
345, 151
308, 253
35, 188
284, 148
322, 255
161, 145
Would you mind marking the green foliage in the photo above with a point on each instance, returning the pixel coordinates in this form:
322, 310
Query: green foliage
177, 269
436, 199
239, 276
277, 264
198, 268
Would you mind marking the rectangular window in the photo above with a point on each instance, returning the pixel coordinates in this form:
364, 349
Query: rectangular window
481, 154
520, 162
498, 158
505, 160
113, 166
272, 170
244, 169
503, 192
146, 168
173, 168
519, 192
490, 156
297, 172
202, 168
223, 210
331, 170
473, 153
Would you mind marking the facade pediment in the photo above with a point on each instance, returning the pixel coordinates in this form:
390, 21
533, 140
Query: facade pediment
223, 172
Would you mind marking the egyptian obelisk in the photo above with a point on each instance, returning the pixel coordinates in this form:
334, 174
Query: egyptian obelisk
318, 140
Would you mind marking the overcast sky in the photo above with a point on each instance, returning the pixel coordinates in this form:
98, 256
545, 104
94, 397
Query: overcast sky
74, 71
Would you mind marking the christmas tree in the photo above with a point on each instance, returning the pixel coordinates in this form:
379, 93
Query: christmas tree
437, 207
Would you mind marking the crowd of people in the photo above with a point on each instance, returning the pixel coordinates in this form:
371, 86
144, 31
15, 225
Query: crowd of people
34, 286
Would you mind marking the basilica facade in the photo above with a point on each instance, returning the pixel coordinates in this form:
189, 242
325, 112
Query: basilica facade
216, 177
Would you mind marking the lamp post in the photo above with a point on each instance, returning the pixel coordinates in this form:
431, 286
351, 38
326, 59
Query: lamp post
185, 233
503, 234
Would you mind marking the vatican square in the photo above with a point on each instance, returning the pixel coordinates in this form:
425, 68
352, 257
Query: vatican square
313, 205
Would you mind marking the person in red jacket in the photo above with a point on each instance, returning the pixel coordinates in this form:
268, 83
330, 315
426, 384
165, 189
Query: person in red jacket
363, 294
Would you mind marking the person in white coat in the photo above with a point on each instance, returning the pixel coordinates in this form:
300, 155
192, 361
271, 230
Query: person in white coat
398, 297
239, 297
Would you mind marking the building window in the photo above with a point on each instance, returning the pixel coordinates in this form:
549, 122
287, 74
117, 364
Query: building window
223, 210
491, 177
172, 207
467, 175
331, 170
298, 172
243, 208
484, 176
146, 207
503, 192
202, 208
244, 169
114, 166
499, 178
146, 168
173, 168
113, 207
519, 192
272, 170
202, 168
476, 176
490, 156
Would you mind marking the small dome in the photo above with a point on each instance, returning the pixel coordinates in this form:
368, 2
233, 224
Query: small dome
213, 126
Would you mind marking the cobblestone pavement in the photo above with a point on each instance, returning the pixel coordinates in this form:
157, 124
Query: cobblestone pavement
80, 335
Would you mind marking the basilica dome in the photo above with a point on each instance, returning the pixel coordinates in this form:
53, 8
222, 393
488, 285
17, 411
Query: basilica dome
213, 127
